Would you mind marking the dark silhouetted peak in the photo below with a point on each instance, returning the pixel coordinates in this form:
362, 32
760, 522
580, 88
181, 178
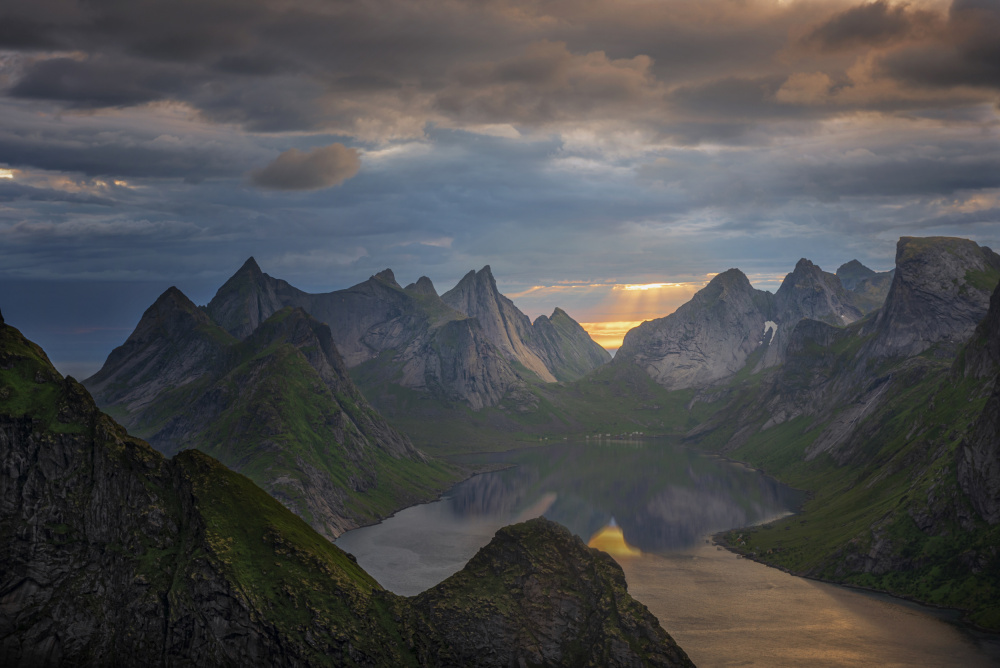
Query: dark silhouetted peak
558, 313
1, 318
423, 286
386, 276
803, 263
250, 266
853, 272
247, 299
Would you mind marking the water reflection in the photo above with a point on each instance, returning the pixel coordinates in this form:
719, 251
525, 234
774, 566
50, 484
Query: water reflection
663, 498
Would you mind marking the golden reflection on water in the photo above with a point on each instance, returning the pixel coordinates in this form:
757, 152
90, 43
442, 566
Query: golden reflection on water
726, 611
610, 539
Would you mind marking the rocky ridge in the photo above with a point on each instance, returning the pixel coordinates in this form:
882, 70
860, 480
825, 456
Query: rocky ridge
279, 406
470, 347
112, 554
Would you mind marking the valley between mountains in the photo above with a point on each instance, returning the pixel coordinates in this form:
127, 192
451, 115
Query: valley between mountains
875, 392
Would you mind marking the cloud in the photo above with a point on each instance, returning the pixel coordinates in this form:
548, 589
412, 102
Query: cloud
322, 167
869, 24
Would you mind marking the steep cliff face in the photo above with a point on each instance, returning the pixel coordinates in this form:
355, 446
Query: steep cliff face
892, 421
567, 349
476, 295
112, 555
706, 339
554, 348
279, 407
940, 292
810, 293
507, 608
173, 345
249, 298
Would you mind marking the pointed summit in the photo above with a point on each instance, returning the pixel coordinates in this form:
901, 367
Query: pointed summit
505, 326
247, 299
423, 286
386, 276
853, 272
706, 339
250, 266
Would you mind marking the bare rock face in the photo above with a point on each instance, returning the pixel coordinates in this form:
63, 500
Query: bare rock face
940, 292
405, 336
476, 295
706, 339
173, 345
279, 406
566, 347
553, 348
249, 298
510, 607
807, 293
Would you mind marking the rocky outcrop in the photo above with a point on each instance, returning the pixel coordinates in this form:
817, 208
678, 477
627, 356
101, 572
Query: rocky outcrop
509, 607
279, 406
111, 554
706, 339
940, 292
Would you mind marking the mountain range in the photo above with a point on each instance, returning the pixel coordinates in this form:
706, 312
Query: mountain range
111, 554
470, 346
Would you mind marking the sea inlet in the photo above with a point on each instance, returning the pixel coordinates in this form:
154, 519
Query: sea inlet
653, 506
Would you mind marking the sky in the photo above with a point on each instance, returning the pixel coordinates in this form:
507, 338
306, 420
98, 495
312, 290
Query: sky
604, 156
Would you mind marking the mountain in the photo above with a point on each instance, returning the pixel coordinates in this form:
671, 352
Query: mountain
811, 293
554, 348
707, 339
867, 287
469, 347
279, 407
939, 293
111, 554
891, 423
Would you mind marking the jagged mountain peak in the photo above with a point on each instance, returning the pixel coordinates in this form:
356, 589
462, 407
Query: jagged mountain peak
250, 266
247, 299
423, 286
386, 276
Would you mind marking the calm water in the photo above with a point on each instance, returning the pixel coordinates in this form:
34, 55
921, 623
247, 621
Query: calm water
666, 500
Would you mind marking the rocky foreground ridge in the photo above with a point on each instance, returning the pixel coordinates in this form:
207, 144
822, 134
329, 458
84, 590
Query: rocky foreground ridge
278, 406
111, 554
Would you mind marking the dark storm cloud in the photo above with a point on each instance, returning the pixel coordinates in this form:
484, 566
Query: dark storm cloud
93, 83
869, 24
321, 167
967, 53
